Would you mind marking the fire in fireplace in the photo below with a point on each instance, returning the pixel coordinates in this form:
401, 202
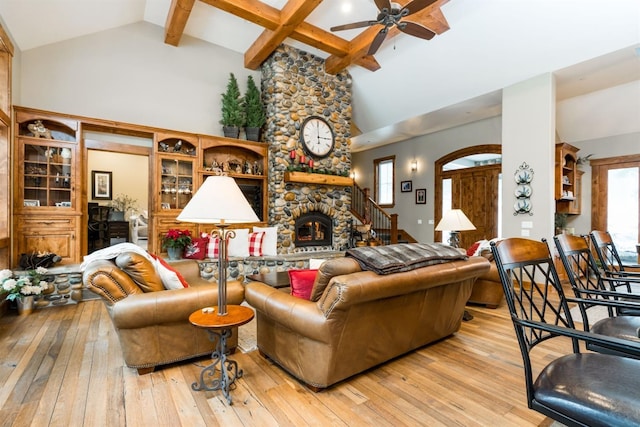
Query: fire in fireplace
313, 229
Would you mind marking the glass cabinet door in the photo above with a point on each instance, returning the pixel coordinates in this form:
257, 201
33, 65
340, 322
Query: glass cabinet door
47, 176
176, 186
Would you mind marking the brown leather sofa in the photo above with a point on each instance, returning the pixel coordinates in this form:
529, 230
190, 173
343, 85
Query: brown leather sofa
153, 323
488, 289
358, 319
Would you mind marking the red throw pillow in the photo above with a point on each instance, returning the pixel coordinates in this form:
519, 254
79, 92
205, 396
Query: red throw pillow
255, 243
171, 279
197, 249
302, 282
473, 248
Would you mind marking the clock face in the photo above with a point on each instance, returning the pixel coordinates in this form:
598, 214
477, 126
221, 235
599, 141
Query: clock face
317, 137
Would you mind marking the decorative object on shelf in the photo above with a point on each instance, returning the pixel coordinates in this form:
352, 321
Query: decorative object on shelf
317, 137
174, 241
406, 186
455, 221
583, 161
523, 177
219, 201
253, 110
121, 205
38, 130
232, 113
22, 289
34, 260
101, 182
421, 196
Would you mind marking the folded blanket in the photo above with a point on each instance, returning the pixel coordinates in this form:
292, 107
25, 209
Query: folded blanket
403, 257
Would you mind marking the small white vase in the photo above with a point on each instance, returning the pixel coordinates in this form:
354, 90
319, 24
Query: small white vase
25, 305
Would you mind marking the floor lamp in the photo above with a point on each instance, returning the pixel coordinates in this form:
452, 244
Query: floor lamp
219, 201
455, 221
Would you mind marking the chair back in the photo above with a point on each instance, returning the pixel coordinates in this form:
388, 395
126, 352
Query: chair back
582, 271
533, 292
606, 252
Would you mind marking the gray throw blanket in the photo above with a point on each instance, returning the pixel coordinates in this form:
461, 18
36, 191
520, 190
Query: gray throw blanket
403, 257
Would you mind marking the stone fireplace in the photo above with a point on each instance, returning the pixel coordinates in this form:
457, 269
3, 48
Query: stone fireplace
294, 87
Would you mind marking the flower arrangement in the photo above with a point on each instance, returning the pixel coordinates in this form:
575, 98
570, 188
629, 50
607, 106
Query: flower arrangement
19, 287
176, 239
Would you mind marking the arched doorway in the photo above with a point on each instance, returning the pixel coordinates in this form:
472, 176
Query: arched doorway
469, 179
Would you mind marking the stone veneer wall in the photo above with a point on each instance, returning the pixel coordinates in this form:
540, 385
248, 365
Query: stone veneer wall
294, 87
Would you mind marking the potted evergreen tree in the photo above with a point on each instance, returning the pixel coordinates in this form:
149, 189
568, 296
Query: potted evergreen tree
232, 113
253, 110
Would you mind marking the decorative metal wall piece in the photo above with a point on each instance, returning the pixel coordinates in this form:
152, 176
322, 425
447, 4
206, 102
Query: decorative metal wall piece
523, 177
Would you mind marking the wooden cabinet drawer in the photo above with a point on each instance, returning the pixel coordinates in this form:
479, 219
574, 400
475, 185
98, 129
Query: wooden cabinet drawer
59, 235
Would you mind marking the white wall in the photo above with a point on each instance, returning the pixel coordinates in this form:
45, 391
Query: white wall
426, 150
528, 137
129, 74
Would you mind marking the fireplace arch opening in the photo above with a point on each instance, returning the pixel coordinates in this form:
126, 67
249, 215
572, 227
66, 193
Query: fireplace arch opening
313, 229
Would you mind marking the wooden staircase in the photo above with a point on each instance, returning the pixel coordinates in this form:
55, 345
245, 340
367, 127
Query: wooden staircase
384, 226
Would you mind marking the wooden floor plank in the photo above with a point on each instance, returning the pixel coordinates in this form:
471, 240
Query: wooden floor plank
63, 366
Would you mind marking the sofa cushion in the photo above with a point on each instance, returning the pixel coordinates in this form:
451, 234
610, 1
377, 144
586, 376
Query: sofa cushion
473, 248
197, 248
270, 243
141, 270
329, 269
171, 279
302, 282
256, 240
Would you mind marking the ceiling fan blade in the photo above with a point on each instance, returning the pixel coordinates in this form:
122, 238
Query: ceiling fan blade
381, 4
353, 25
416, 30
417, 6
377, 41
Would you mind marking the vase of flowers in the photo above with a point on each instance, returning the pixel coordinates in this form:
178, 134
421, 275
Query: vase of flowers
175, 241
23, 289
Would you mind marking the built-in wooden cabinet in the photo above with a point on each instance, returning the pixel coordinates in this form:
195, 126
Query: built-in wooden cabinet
46, 207
245, 161
50, 183
568, 180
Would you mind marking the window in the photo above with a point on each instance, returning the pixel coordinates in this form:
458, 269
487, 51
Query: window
615, 198
384, 180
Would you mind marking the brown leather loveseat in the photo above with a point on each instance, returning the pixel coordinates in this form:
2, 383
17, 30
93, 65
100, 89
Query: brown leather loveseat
358, 319
152, 323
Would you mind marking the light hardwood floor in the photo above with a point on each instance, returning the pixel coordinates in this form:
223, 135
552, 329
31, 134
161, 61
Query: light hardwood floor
62, 366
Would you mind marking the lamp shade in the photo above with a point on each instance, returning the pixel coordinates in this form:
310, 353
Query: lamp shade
219, 200
455, 220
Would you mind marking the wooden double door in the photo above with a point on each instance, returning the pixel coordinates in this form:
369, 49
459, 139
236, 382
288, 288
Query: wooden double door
474, 190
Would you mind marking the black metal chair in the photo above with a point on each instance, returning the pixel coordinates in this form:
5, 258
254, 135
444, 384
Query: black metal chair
590, 291
577, 389
610, 260
588, 282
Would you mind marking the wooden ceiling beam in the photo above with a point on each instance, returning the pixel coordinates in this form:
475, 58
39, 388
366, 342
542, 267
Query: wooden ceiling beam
290, 23
291, 15
177, 20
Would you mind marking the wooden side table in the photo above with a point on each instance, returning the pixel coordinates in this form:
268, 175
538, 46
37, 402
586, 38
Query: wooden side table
275, 279
220, 328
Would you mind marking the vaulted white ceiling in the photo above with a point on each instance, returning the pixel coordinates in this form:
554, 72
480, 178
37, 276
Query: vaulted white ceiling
422, 86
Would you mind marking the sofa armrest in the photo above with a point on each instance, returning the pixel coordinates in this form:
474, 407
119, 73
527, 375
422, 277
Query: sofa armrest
301, 316
106, 279
154, 308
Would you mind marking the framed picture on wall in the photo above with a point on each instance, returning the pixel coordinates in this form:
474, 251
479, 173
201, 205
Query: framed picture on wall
405, 186
101, 185
421, 196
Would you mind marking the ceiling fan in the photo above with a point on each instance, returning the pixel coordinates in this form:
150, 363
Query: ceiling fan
391, 14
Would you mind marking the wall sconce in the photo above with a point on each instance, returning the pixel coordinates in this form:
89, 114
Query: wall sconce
414, 165
352, 175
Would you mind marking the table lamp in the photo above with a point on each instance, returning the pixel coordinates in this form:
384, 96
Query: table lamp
219, 201
454, 221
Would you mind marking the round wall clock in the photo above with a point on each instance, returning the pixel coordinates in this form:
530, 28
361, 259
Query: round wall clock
317, 136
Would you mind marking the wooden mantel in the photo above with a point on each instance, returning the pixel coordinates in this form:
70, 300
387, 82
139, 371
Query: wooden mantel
318, 179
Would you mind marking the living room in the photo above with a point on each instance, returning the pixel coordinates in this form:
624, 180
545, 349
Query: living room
128, 74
